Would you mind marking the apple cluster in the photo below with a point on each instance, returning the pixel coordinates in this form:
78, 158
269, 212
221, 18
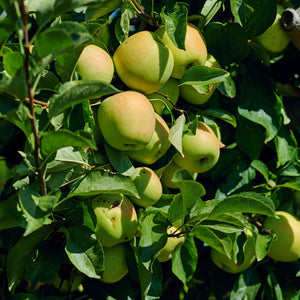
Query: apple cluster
150, 66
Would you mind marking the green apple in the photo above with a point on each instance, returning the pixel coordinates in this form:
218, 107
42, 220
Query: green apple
195, 52
286, 246
172, 245
127, 120
116, 219
228, 264
115, 265
191, 95
171, 90
148, 185
94, 63
201, 150
168, 173
143, 63
157, 146
275, 39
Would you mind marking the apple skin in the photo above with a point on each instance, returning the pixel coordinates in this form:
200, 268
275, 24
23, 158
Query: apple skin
94, 63
127, 120
116, 219
191, 95
173, 244
275, 39
157, 146
201, 151
148, 185
228, 265
286, 247
143, 63
195, 52
170, 89
115, 265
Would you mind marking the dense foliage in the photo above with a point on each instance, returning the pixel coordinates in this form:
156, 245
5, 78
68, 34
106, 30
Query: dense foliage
53, 162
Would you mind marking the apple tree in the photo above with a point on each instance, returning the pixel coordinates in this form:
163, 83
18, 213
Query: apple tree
149, 149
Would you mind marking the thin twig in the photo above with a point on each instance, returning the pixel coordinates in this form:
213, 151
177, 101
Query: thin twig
38, 102
31, 100
144, 14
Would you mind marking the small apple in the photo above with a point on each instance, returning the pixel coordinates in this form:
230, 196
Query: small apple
171, 90
116, 219
143, 63
191, 95
173, 244
115, 265
286, 246
195, 52
127, 120
157, 146
201, 150
275, 39
148, 185
168, 173
94, 63
229, 265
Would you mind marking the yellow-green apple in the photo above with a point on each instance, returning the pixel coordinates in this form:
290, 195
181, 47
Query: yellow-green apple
171, 90
173, 244
286, 245
191, 95
127, 120
195, 52
157, 146
116, 219
228, 264
115, 265
201, 150
168, 173
148, 185
94, 63
275, 39
143, 62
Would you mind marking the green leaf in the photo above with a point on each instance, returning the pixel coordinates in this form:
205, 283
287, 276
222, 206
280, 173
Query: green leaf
221, 114
13, 62
228, 87
76, 92
15, 87
209, 10
175, 21
5, 173
246, 286
261, 168
54, 140
291, 184
84, 250
101, 8
262, 245
98, 181
184, 261
176, 131
21, 254
246, 202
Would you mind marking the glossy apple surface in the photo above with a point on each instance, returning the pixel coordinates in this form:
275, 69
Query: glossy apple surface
148, 185
286, 246
143, 63
157, 146
94, 63
127, 120
116, 219
195, 52
201, 151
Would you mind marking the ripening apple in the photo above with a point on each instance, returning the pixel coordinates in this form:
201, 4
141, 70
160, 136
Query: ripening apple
171, 90
148, 185
94, 63
157, 146
275, 39
286, 245
143, 62
173, 244
201, 150
127, 120
115, 265
228, 264
116, 219
195, 52
191, 95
